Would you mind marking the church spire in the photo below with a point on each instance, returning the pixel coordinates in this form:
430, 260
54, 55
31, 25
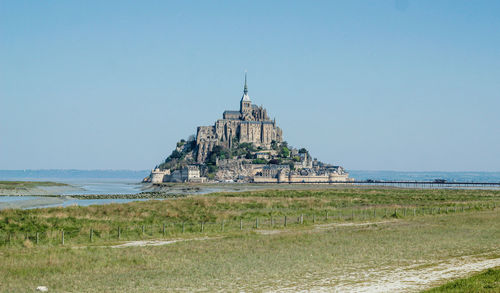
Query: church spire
245, 103
245, 89
245, 96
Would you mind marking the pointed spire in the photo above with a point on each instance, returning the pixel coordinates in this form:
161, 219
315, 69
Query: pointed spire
245, 89
245, 97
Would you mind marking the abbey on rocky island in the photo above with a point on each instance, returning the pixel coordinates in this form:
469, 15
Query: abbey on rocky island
248, 125
243, 146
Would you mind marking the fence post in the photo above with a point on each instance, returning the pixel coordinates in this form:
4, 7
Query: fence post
222, 226
182, 227
142, 230
414, 212
36, 237
163, 230
404, 213
374, 213
327, 215
119, 232
314, 218
241, 224
301, 219
256, 223
62, 238
91, 234
202, 226
285, 221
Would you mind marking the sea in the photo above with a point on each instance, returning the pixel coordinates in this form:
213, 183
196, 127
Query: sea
129, 182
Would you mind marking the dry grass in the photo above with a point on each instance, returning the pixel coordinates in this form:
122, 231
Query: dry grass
341, 204
251, 262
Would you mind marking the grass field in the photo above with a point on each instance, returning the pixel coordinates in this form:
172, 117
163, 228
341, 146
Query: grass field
342, 252
487, 281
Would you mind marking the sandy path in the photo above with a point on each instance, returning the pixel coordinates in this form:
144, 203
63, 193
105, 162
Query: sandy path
391, 279
141, 243
403, 279
322, 227
385, 279
316, 228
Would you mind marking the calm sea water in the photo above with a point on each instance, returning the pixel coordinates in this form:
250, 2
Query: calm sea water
128, 182
426, 176
83, 181
86, 181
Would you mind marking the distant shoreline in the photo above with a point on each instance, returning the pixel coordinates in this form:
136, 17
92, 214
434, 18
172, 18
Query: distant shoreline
35, 188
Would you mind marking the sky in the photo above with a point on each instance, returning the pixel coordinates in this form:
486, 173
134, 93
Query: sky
369, 85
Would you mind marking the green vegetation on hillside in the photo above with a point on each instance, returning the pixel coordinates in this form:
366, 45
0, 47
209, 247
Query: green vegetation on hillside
178, 157
183, 155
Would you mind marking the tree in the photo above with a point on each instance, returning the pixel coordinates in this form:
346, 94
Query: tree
175, 155
274, 145
218, 152
212, 169
259, 161
303, 151
284, 152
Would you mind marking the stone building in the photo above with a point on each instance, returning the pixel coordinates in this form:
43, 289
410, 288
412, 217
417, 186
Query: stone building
190, 173
273, 170
157, 175
250, 124
284, 175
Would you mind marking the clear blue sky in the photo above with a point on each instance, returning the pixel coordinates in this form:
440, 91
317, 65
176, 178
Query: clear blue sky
374, 85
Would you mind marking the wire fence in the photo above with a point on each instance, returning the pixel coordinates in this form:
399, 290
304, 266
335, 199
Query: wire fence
103, 232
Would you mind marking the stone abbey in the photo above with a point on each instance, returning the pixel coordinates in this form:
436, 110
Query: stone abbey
248, 125
243, 146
